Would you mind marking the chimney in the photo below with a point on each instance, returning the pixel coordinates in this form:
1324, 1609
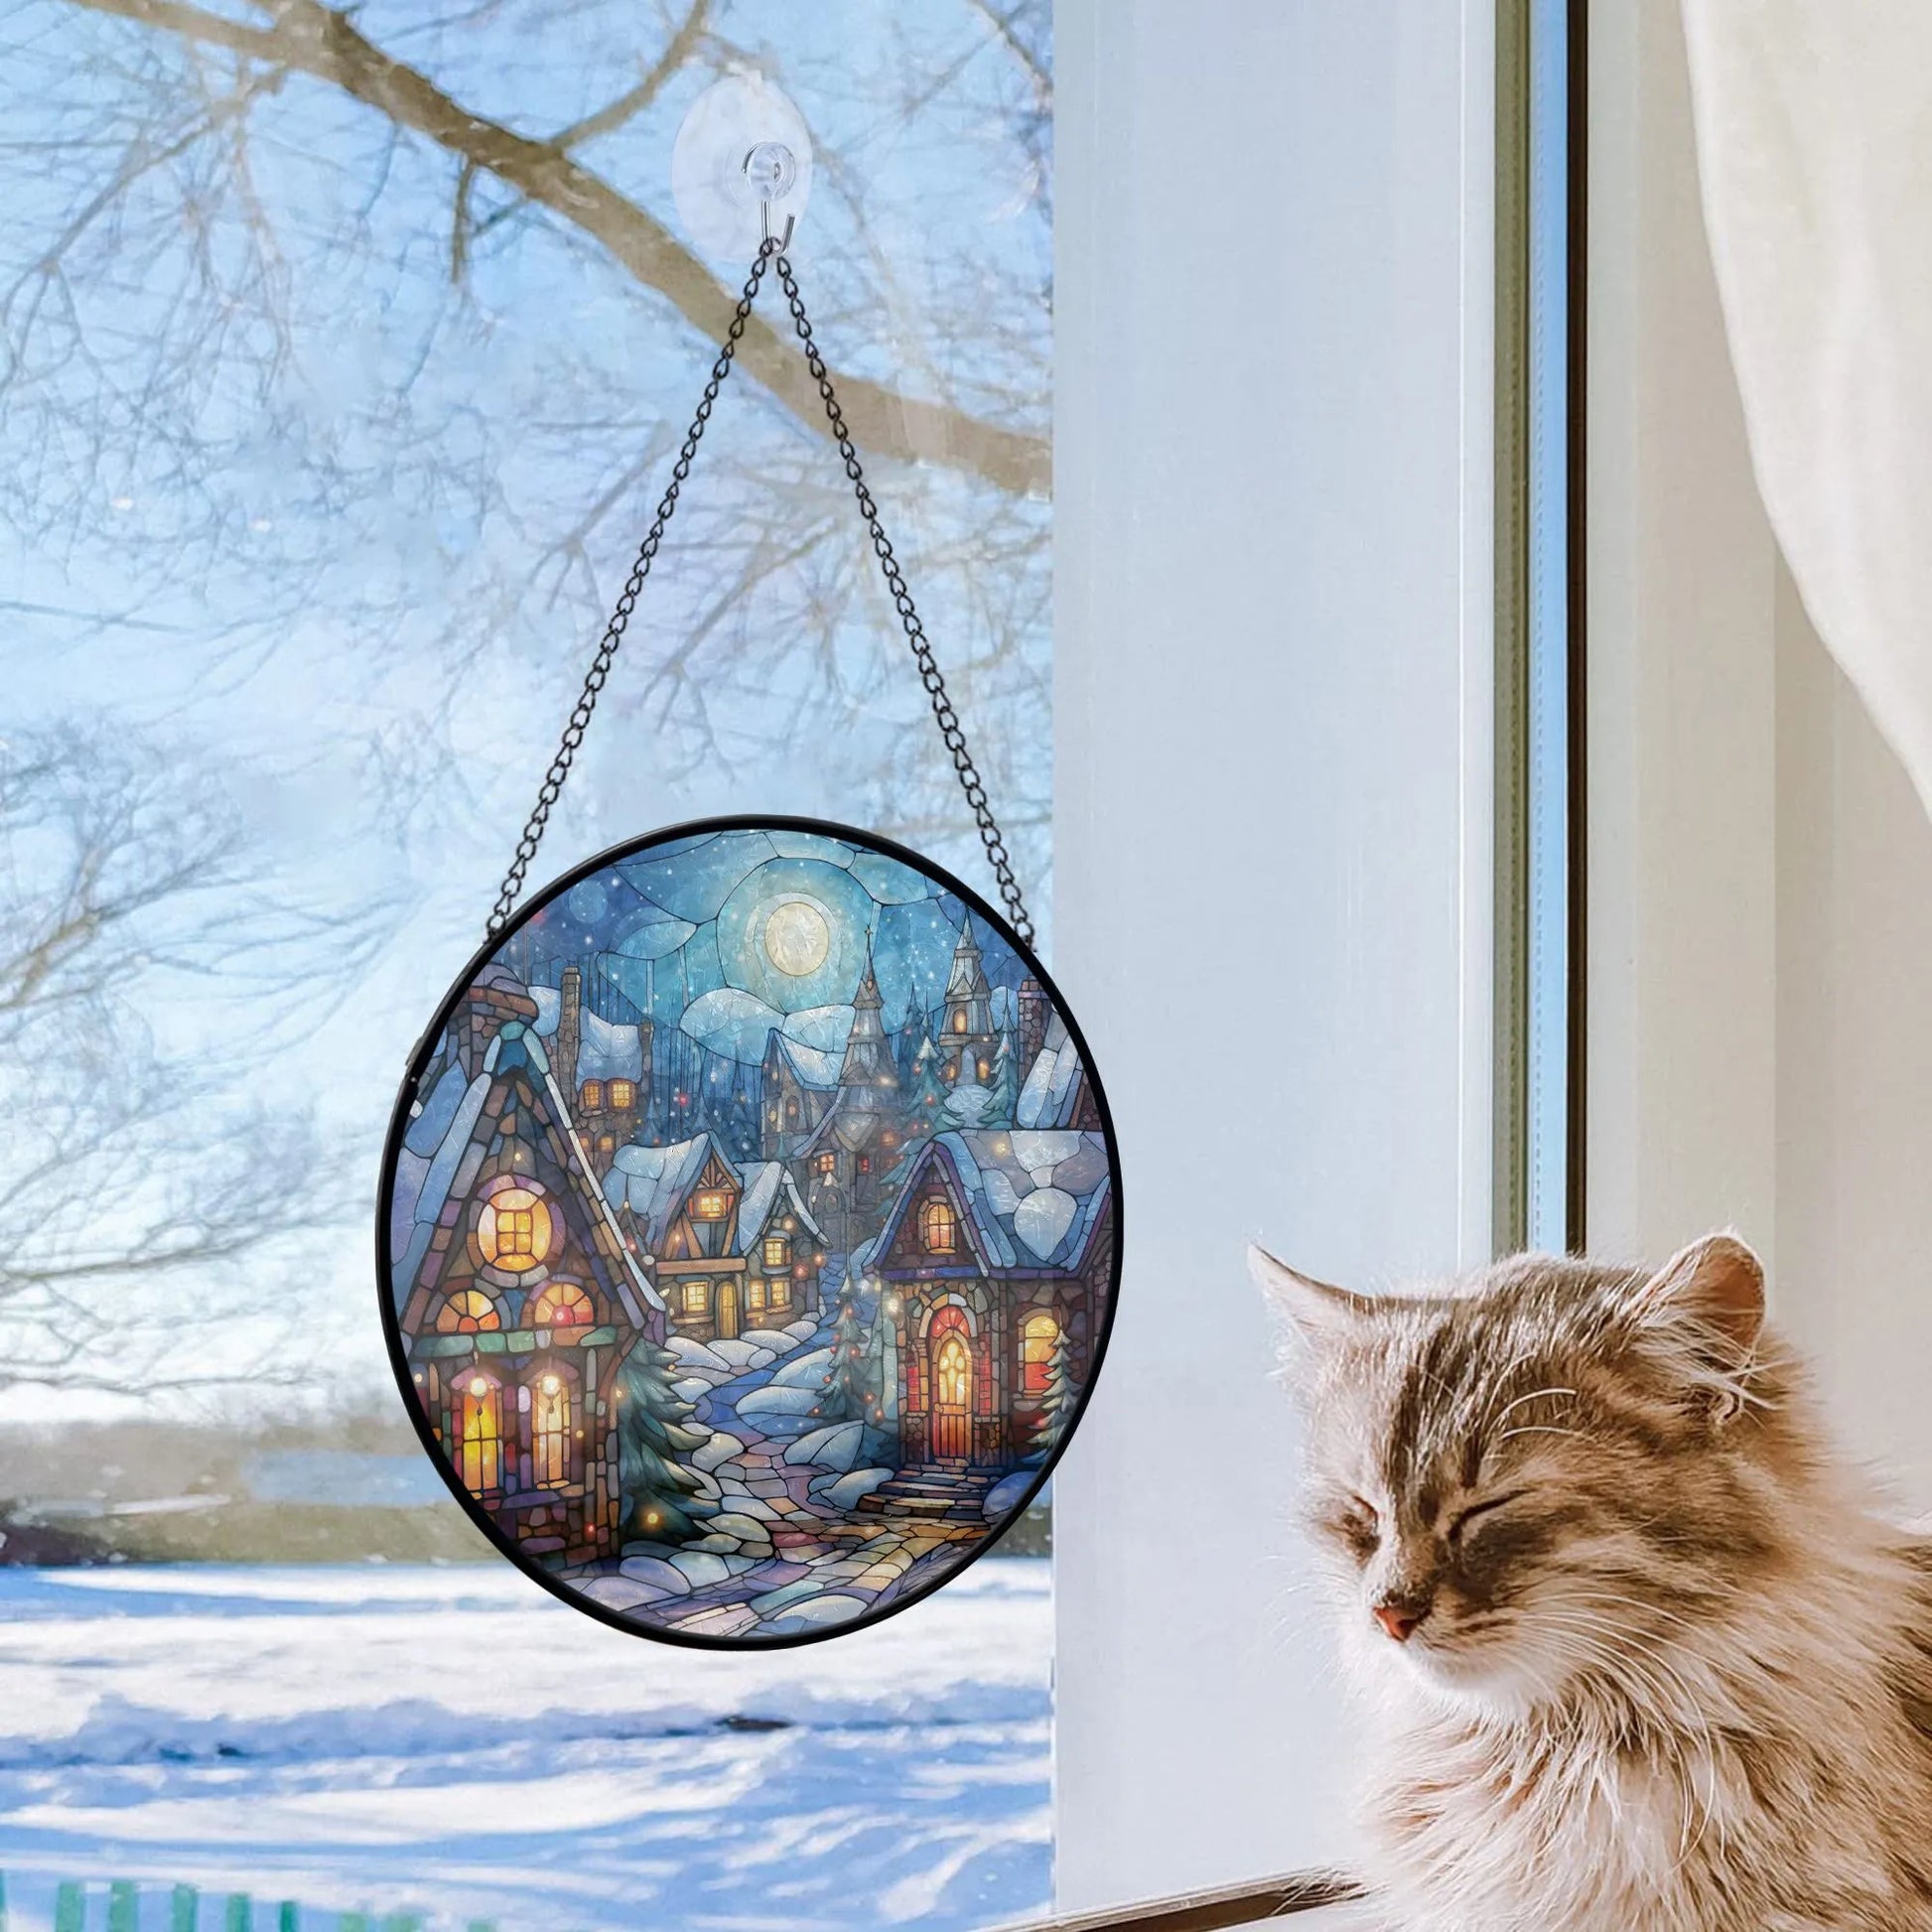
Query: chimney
1032, 1023
570, 1034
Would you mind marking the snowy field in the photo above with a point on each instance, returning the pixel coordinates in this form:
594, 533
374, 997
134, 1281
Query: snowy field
450, 1741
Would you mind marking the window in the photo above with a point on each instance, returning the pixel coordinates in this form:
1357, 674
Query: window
550, 1430
514, 1229
777, 1251
607, 1143
468, 1312
827, 1163
1036, 1339
959, 1021
562, 1304
624, 1093
712, 1205
754, 1291
781, 1292
697, 1297
985, 1069
592, 1093
480, 1434
938, 1229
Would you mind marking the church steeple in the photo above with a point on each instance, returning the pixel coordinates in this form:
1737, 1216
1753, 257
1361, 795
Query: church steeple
867, 1052
966, 1025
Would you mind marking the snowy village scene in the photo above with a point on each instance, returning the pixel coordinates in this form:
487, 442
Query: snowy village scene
751, 1232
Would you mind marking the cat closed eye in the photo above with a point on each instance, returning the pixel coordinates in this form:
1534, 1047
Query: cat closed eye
1477, 1511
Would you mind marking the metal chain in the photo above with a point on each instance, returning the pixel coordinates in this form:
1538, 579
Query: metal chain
945, 716
595, 679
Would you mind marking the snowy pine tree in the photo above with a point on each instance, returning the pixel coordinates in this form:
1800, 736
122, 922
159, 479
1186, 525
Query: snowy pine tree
1006, 1080
968, 1105
928, 1091
845, 1394
653, 1437
1061, 1397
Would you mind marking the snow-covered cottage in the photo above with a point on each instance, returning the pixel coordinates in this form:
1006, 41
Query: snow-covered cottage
680, 1205
996, 1259
782, 1245
603, 1065
517, 1294
844, 1164
797, 1088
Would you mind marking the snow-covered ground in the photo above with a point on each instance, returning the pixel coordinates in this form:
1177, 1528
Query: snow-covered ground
452, 1741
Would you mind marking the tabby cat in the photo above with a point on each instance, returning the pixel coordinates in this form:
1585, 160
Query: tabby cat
1636, 1647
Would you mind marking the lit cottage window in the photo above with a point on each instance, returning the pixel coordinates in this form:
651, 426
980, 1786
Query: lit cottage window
480, 1434
624, 1093
1036, 1339
827, 1163
712, 1205
550, 1430
514, 1229
697, 1297
592, 1093
781, 1292
562, 1304
754, 1293
777, 1251
468, 1312
938, 1229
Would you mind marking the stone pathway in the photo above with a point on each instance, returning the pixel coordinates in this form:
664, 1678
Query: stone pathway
777, 1560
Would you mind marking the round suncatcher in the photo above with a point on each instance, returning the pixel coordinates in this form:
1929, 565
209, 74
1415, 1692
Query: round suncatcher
749, 1226
750, 1232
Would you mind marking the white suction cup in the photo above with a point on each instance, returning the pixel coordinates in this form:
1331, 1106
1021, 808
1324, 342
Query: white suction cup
742, 162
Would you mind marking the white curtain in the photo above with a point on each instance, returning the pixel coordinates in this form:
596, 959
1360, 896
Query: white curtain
1813, 131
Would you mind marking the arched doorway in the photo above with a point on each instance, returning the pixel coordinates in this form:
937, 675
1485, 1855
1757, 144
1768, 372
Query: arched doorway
952, 1396
726, 1310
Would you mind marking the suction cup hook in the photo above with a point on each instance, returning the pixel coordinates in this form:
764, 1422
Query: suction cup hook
741, 169
773, 170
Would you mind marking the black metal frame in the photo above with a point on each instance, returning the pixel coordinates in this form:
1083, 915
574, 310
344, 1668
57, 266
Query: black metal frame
419, 1060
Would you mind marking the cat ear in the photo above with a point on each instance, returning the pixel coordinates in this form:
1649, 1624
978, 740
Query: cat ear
1716, 1284
1706, 1304
1318, 1314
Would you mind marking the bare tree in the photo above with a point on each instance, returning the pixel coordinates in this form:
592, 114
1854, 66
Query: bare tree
299, 285
142, 1185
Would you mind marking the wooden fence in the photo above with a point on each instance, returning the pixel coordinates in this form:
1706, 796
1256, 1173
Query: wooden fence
123, 1905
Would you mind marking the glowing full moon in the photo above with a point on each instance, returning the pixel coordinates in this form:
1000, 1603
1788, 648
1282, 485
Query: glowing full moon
796, 938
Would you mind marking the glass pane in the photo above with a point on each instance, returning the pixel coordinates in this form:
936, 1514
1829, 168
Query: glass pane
342, 374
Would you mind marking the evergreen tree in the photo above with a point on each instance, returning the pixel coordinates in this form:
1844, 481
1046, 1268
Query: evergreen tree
968, 1105
928, 1091
845, 1394
1006, 1079
1059, 1399
652, 1435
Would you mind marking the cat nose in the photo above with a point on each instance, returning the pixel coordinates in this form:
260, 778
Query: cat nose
1399, 1619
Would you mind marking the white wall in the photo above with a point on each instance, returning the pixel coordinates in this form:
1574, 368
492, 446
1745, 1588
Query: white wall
1760, 914
1271, 714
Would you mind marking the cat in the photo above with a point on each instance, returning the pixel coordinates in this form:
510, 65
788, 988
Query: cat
1636, 1650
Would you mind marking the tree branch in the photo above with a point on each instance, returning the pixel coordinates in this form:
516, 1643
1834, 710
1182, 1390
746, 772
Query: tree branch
312, 39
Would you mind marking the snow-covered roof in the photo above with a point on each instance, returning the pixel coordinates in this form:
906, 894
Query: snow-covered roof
813, 1066
607, 1050
1036, 1197
768, 1185
652, 1181
1051, 1093
441, 1152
